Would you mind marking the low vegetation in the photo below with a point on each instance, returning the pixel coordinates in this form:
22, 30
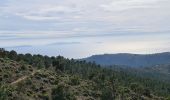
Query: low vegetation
37, 77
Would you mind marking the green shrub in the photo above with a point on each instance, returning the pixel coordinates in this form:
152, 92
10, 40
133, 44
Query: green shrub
5, 92
28, 81
23, 67
44, 96
147, 92
61, 92
168, 98
6, 76
74, 80
107, 94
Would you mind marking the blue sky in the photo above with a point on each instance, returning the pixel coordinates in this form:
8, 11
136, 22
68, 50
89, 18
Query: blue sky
79, 28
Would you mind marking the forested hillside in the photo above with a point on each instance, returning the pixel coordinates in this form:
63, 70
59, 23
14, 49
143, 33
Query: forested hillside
158, 72
132, 60
37, 77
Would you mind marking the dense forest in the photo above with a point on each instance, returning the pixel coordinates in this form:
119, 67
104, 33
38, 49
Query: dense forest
38, 77
132, 60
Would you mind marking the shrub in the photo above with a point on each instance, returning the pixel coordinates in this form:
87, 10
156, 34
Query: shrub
5, 92
107, 94
6, 76
147, 92
168, 98
61, 92
74, 80
137, 88
23, 67
28, 81
44, 97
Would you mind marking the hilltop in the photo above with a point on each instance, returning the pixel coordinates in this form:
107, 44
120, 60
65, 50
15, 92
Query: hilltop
132, 60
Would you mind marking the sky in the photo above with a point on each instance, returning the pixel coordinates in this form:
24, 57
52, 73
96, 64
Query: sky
81, 28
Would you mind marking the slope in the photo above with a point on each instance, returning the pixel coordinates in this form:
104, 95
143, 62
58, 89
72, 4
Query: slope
133, 60
38, 77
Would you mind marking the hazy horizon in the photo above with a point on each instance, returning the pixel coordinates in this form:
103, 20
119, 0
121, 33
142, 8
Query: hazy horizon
78, 28
44, 53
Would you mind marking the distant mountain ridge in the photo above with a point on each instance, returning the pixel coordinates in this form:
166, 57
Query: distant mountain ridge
133, 60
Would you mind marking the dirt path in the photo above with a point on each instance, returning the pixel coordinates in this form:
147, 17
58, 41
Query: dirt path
24, 77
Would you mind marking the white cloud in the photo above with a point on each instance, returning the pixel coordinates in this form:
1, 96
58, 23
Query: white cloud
41, 22
38, 18
39, 11
55, 9
119, 5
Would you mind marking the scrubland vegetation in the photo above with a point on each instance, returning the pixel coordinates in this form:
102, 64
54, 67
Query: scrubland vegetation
37, 77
